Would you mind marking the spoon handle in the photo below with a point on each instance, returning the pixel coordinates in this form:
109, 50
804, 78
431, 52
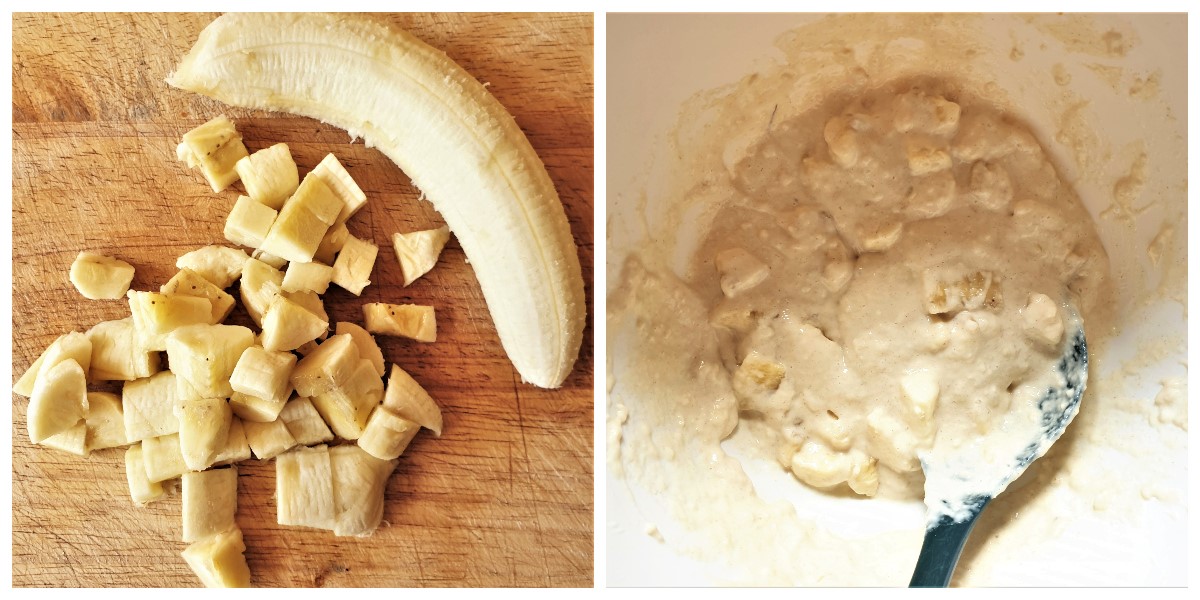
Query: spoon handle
941, 549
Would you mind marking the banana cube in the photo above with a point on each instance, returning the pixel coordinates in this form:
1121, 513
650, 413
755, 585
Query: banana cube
266, 375
58, 402
303, 221
268, 440
1042, 321
955, 289
116, 355
307, 277
406, 398
260, 284
221, 265
347, 406
269, 175
386, 434
74, 346
352, 269
219, 560
304, 423
331, 172
921, 389
406, 320
163, 458
367, 348
141, 489
331, 244
209, 503
205, 356
73, 440
100, 277
359, 480
304, 488
203, 430
156, 315
105, 421
249, 222
418, 251
190, 283
276, 262
286, 325
758, 374
740, 271
327, 367
147, 406
215, 147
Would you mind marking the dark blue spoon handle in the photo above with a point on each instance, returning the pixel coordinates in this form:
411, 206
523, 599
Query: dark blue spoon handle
941, 549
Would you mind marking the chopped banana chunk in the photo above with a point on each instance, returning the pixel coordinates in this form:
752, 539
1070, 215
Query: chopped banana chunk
264, 374
147, 406
303, 221
156, 315
100, 277
758, 373
955, 289
347, 405
304, 488
205, 356
406, 398
220, 561
307, 277
329, 366
221, 265
304, 422
287, 325
269, 175
367, 348
73, 440
921, 389
209, 503
116, 355
260, 284
58, 402
331, 244
215, 147
359, 480
352, 269
249, 222
1042, 320
386, 434
141, 489
268, 440
407, 320
740, 271
74, 346
203, 429
163, 458
190, 283
418, 251
105, 422
334, 175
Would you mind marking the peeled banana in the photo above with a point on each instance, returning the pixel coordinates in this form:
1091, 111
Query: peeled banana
443, 128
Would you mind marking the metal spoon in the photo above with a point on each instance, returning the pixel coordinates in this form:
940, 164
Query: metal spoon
945, 534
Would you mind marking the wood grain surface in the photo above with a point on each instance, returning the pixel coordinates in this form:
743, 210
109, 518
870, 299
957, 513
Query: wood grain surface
503, 498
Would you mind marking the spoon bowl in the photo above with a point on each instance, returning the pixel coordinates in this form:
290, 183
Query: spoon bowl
950, 516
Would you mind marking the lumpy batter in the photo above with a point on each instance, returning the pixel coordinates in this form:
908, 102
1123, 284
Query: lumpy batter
891, 280
886, 280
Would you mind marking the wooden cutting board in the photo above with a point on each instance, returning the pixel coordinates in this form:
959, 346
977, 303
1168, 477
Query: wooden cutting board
503, 498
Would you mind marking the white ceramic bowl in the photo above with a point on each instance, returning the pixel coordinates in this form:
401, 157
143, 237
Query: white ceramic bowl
1108, 97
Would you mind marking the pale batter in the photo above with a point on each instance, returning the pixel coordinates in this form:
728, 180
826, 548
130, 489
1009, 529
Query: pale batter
881, 276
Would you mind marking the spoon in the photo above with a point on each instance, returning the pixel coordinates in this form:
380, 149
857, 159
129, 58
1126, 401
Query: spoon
950, 516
